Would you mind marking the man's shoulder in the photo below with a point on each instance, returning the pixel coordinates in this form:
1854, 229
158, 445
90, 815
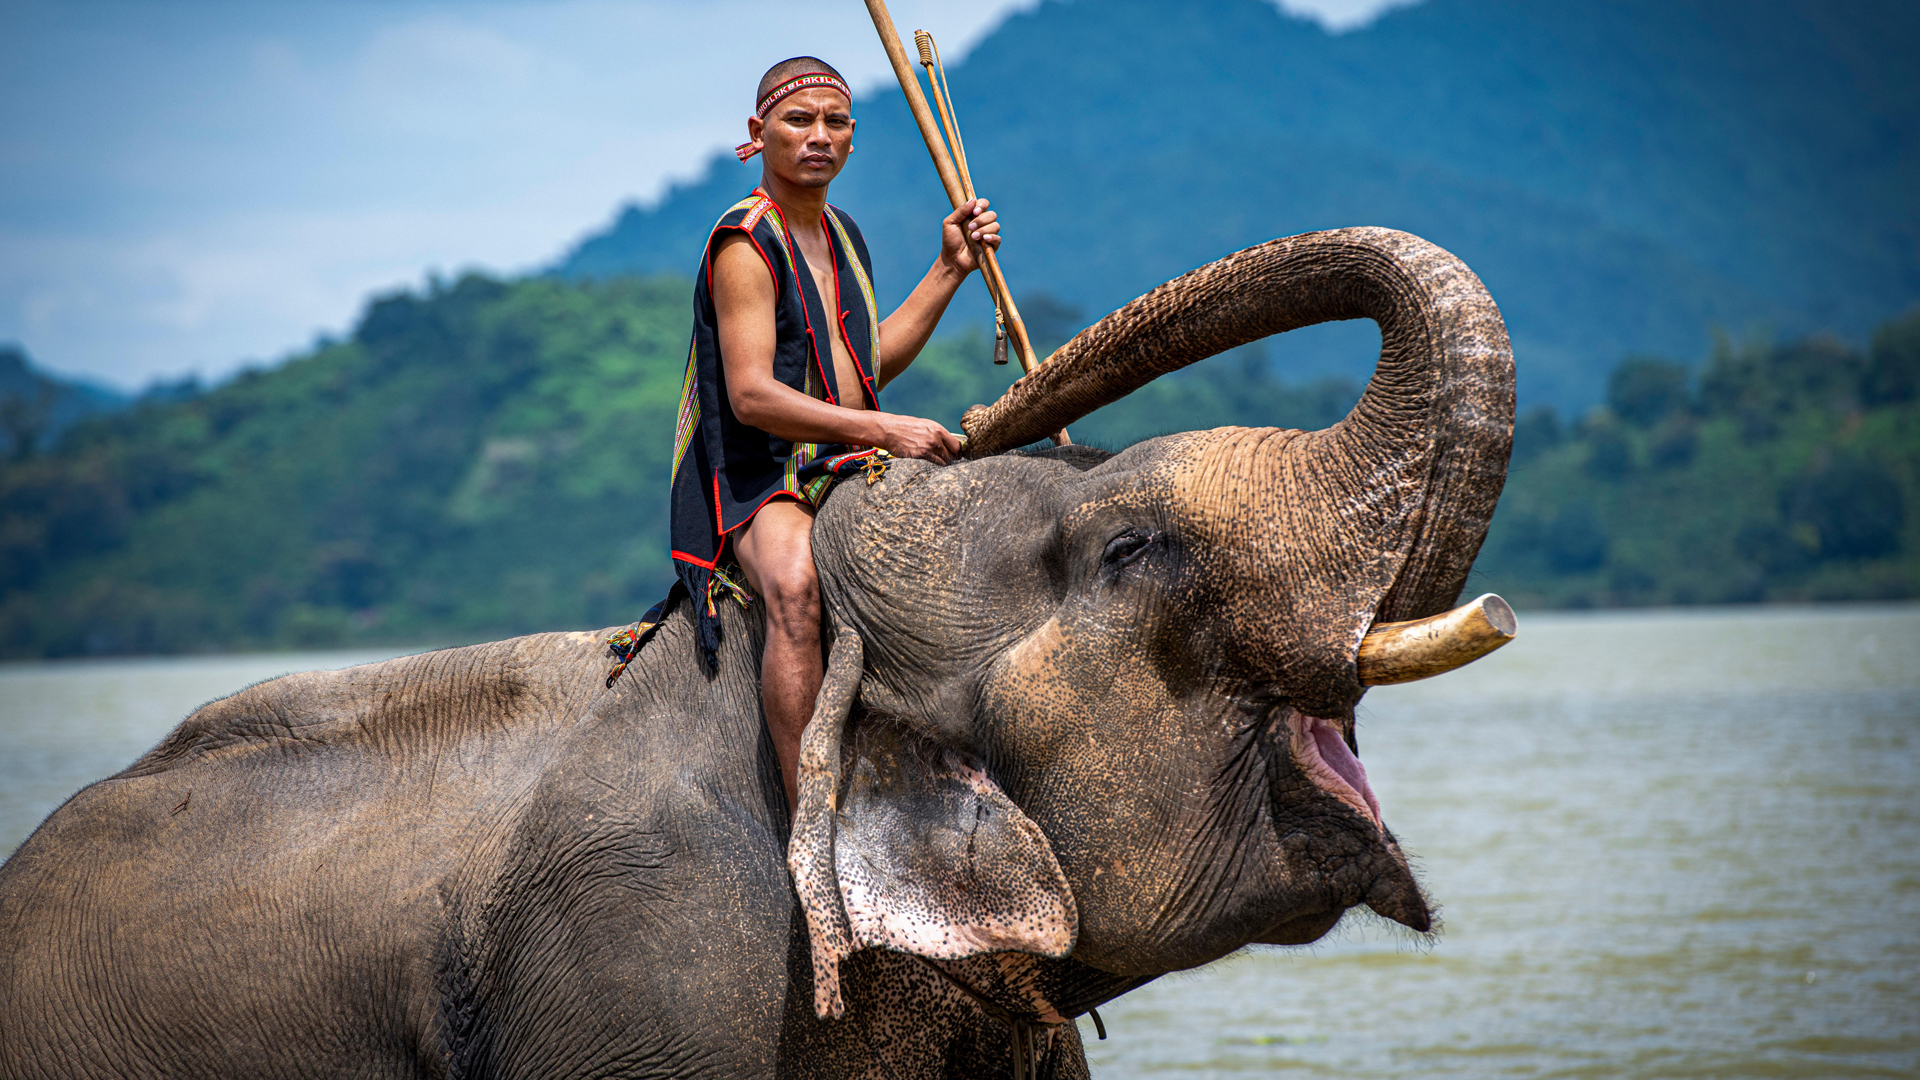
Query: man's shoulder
748, 213
754, 220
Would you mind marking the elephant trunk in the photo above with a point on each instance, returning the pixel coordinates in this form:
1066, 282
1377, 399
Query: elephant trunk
1417, 465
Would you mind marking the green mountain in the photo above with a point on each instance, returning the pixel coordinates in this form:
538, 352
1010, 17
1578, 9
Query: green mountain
1623, 174
488, 458
485, 457
482, 459
479, 459
37, 407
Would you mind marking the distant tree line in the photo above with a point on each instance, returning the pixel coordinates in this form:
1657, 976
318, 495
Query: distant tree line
36, 408
1784, 471
483, 458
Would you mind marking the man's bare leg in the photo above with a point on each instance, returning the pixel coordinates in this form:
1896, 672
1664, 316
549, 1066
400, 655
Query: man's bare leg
776, 551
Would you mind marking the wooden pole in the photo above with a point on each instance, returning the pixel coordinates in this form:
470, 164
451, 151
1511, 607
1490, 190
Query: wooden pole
1009, 312
950, 176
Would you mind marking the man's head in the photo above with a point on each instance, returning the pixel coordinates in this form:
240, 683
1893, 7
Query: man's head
804, 122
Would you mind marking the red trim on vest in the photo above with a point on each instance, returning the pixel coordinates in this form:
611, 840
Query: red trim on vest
826, 231
782, 493
873, 396
751, 239
813, 346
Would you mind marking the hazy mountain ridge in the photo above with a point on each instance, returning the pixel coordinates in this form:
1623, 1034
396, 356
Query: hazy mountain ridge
487, 458
1622, 175
37, 406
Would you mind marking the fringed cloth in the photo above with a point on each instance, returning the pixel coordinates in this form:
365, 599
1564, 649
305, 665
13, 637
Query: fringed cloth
727, 582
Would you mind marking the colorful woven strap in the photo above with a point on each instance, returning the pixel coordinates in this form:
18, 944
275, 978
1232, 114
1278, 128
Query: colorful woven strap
721, 584
871, 464
625, 644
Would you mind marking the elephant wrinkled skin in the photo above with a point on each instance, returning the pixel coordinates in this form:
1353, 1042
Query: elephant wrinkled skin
1088, 720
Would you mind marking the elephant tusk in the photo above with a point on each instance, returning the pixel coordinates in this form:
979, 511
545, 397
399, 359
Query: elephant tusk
1422, 648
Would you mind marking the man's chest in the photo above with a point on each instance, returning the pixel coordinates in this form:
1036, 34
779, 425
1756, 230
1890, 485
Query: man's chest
818, 264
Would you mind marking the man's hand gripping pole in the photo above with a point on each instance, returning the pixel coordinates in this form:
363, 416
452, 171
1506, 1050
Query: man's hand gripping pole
957, 182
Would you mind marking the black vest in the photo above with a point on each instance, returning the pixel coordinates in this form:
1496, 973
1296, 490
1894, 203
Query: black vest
725, 470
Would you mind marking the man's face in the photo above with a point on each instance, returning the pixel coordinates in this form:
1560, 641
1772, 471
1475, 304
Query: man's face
806, 137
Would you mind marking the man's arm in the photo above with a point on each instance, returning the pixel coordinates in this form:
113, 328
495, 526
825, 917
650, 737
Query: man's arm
905, 332
743, 299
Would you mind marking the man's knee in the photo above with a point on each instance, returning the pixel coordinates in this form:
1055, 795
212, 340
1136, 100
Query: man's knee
793, 593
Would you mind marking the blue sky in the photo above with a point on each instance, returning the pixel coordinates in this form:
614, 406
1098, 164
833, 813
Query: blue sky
190, 186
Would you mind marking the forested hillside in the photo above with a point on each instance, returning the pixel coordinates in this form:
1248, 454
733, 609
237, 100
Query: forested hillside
36, 407
1628, 177
486, 458
1624, 174
1786, 471
478, 459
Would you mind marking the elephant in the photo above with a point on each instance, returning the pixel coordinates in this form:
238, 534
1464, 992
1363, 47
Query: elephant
1088, 719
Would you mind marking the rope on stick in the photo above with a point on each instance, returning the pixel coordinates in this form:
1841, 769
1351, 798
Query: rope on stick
949, 164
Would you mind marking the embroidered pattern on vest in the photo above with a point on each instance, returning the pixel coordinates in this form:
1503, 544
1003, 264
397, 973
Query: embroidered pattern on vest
866, 287
688, 425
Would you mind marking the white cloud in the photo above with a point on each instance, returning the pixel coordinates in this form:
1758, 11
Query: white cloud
216, 183
1341, 16
190, 186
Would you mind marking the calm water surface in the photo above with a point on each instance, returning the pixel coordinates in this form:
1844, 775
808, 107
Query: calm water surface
66, 723
1667, 844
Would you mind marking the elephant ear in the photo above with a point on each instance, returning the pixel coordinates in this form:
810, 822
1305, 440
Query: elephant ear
906, 845
933, 859
810, 847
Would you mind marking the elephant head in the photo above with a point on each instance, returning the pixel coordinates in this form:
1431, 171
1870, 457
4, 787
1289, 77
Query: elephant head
1101, 707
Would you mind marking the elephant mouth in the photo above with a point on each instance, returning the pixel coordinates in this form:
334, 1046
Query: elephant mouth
1301, 929
1321, 750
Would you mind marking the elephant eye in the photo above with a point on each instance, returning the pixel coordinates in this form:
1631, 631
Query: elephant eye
1124, 549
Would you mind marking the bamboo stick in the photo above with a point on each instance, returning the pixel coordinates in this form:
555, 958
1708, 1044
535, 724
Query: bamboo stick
1008, 311
950, 178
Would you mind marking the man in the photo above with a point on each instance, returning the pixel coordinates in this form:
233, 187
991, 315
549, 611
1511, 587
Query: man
788, 356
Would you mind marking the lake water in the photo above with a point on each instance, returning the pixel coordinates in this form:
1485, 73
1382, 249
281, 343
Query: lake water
1664, 844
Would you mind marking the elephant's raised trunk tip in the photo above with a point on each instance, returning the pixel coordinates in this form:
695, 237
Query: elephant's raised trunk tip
1404, 651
